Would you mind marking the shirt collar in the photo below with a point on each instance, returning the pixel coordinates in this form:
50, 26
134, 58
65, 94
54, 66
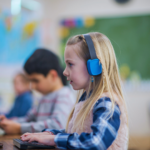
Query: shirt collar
83, 97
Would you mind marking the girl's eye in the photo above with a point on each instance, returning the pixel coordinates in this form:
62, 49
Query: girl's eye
70, 64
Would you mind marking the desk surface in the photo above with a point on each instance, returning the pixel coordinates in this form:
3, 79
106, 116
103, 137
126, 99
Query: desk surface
7, 141
8, 145
136, 143
139, 143
9, 137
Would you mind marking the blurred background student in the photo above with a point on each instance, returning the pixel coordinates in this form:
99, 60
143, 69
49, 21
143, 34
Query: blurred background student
23, 100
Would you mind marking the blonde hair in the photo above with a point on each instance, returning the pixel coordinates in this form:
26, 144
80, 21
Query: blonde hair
25, 80
107, 81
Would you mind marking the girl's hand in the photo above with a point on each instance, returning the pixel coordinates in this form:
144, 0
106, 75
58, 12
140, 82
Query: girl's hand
45, 139
38, 133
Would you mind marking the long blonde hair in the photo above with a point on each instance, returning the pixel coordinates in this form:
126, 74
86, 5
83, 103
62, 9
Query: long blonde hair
107, 81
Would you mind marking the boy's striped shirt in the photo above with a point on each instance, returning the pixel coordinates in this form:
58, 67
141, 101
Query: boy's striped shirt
52, 112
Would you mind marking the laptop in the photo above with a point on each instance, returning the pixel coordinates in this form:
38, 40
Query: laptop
34, 145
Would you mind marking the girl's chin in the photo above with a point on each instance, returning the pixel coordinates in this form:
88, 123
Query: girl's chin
76, 88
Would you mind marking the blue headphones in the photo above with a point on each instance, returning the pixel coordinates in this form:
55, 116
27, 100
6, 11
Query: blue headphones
93, 65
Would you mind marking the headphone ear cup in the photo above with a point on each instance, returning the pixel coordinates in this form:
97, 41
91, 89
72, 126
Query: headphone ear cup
94, 67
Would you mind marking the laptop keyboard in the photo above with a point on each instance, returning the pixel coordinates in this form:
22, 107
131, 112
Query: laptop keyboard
27, 143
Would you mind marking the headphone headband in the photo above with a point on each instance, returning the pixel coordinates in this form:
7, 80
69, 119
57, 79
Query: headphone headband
90, 44
93, 65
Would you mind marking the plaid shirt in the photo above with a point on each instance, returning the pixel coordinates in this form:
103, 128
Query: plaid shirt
52, 112
104, 129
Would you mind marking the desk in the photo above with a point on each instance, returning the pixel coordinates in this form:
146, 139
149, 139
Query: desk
9, 137
139, 143
7, 141
135, 143
8, 145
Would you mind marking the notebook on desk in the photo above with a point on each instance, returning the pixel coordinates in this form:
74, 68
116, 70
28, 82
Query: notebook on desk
26, 145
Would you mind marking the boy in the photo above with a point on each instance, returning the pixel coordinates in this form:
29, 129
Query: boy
45, 73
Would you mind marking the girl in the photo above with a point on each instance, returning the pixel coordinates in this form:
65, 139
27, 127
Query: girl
99, 118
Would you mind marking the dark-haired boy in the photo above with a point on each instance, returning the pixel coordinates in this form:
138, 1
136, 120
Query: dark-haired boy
45, 73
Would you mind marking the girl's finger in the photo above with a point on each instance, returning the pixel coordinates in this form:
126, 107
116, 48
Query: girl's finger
26, 138
25, 134
32, 139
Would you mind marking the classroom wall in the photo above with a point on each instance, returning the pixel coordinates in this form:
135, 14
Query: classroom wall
54, 10
137, 96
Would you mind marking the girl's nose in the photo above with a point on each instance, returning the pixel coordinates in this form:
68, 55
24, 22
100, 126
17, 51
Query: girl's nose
65, 72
